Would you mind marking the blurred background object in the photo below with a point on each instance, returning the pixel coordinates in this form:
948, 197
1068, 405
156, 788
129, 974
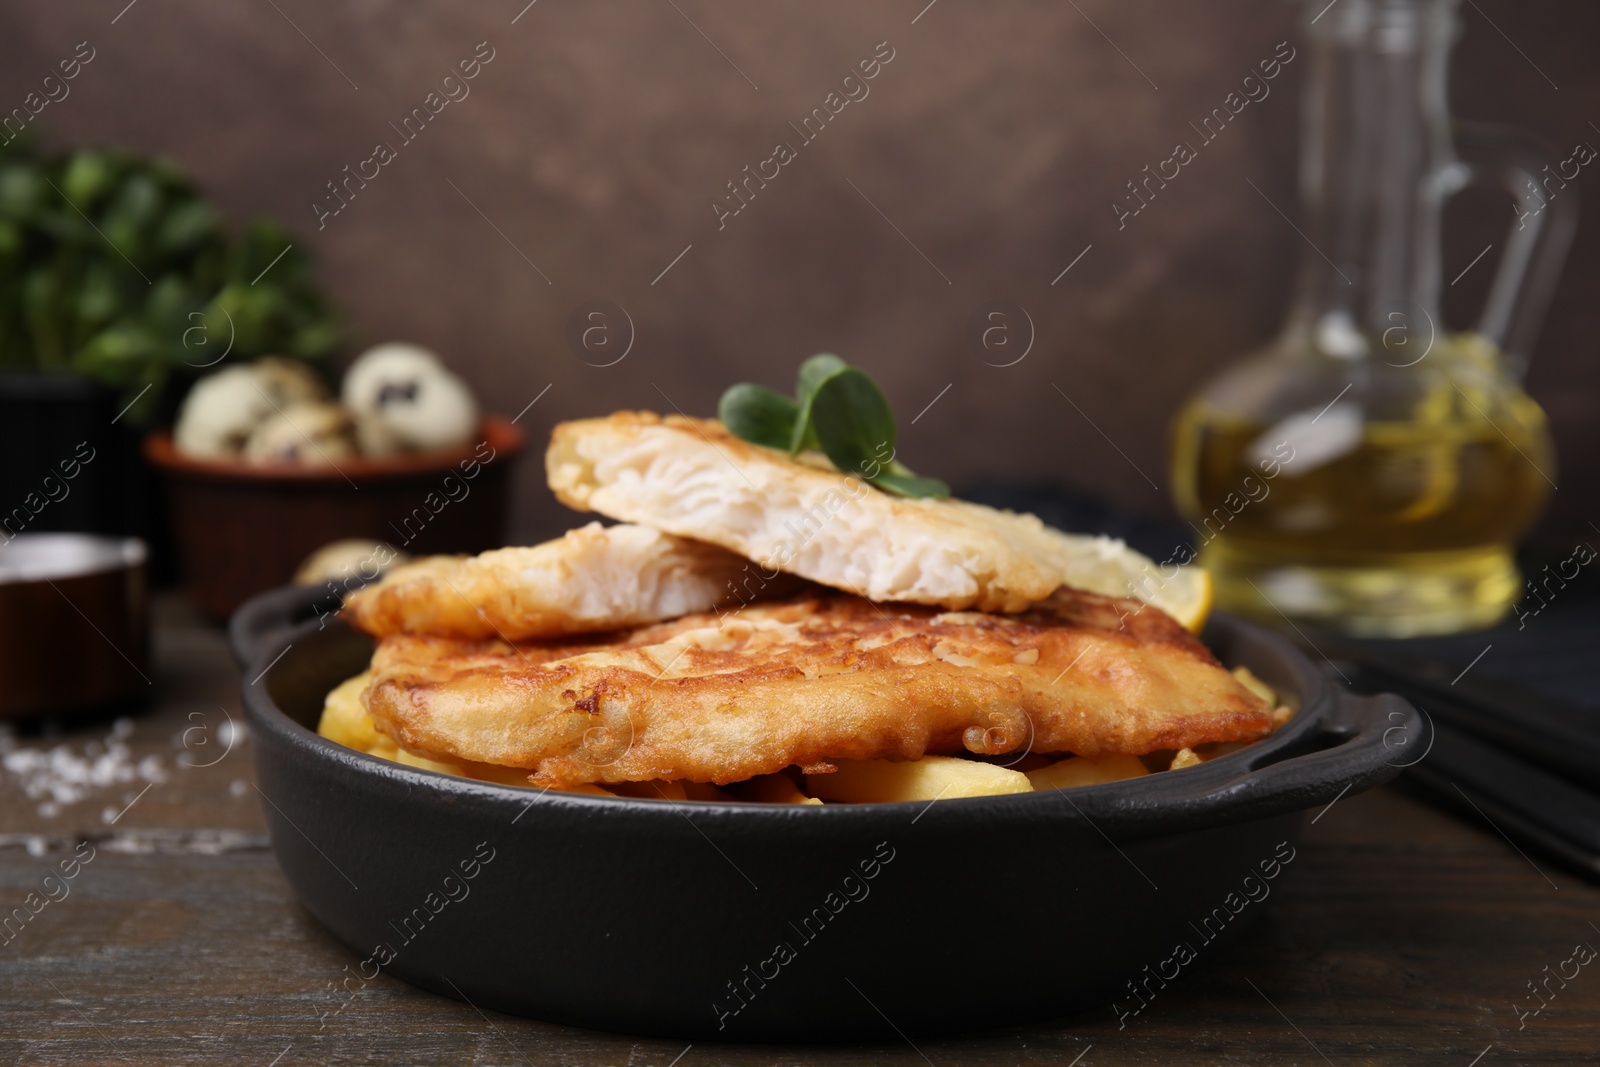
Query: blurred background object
241, 527
74, 624
119, 285
350, 561
263, 466
408, 401
593, 150
114, 268
123, 299
395, 399
1399, 514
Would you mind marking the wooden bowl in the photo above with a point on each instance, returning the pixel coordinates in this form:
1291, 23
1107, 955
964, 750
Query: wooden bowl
244, 527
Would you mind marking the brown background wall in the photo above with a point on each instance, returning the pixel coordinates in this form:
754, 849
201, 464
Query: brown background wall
995, 140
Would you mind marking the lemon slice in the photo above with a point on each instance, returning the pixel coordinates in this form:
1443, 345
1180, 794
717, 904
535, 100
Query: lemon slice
1108, 566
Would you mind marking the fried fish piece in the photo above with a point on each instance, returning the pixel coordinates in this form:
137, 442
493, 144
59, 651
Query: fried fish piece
593, 579
816, 678
693, 478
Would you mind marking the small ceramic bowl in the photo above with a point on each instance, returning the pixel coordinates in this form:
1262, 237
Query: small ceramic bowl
241, 528
74, 623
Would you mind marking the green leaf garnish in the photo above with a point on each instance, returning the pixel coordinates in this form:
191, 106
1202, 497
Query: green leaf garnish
758, 414
838, 410
813, 372
908, 484
852, 422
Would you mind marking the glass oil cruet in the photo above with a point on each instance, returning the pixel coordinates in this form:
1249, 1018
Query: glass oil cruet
1368, 469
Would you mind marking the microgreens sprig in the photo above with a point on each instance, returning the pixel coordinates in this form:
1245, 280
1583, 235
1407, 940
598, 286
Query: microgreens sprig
838, 410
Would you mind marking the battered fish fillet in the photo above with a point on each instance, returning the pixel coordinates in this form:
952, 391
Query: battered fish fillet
816, 678
593, 579
694, 478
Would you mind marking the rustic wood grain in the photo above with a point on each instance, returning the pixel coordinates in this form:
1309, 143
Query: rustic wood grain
1398, 935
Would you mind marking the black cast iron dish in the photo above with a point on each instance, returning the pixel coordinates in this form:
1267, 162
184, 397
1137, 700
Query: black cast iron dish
760, 923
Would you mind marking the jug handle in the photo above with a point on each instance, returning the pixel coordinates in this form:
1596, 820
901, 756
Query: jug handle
1541, 232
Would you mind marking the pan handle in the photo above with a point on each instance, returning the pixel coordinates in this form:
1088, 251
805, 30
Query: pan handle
263, 620
1358, 742
1363, 742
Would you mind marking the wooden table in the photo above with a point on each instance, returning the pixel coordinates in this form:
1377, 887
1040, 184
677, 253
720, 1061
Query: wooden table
1399, 935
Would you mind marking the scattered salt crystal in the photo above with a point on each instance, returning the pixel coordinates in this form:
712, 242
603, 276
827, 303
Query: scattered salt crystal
37, 845
239, 787
48, 810
59, 775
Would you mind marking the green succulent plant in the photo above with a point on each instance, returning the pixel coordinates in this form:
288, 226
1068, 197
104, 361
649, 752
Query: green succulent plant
114, 266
